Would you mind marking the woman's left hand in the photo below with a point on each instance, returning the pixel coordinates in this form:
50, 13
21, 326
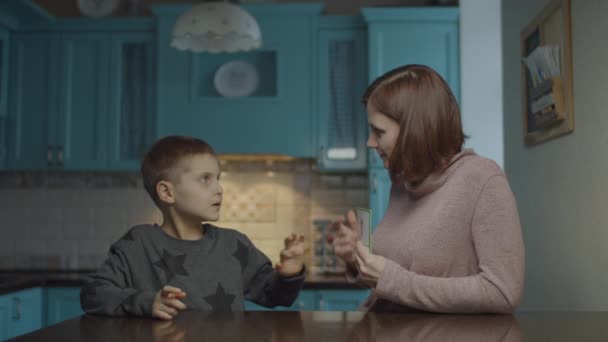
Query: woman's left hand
370, 265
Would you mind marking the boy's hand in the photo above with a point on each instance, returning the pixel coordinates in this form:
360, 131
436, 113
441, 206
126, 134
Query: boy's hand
292, 257
167, 303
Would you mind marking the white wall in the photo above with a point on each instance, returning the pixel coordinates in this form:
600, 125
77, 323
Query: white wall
562, 185
481, 76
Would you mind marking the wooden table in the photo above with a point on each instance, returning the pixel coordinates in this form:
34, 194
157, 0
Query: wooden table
333, 326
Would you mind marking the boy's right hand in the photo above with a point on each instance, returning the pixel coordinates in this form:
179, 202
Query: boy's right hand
344, 238
167, 303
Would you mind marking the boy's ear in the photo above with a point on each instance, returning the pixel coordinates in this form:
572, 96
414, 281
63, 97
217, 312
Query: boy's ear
164, 190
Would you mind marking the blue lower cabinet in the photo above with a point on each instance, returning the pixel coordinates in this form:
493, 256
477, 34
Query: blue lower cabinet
306, 301
341, 300
4, 316
62, 303
24, 311
323, 300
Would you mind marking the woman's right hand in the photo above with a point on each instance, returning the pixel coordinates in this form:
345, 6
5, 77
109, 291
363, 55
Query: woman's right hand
345, 236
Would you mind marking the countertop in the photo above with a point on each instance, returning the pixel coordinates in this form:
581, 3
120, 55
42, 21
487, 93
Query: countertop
19, 280
333, 326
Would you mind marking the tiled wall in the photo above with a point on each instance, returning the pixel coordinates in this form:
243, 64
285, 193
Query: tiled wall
72, 227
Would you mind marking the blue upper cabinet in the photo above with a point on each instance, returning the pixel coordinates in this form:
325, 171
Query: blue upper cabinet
4, 316
31, 125
276, 118
93, 83
82, 111
4, 62
341, 79
399, 36
131, 100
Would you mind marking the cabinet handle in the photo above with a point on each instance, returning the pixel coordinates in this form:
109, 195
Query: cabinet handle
16, 308
321, 305
60, 155
49, 155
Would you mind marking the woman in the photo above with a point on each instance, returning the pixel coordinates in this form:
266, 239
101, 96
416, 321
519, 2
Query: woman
450, 240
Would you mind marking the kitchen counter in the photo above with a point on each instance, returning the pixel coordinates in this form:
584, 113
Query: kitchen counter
20, 280
333, 326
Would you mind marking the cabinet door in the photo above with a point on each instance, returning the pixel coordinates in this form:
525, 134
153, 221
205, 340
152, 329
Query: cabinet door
379, 192
30, 126
4, 317
83, 108
4, 60
341, 300
25, 312
131, 129
342, 118
306, 301
62, 303
414, 36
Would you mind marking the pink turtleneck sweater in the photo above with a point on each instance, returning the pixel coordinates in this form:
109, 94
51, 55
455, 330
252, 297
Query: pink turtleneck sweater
453, 243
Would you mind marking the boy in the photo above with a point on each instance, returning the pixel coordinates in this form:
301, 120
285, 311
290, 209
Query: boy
158, 271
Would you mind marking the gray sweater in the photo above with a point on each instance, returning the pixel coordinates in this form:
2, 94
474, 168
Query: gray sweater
217, 272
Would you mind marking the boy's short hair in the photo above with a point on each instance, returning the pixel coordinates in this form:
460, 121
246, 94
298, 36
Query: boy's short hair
165, 154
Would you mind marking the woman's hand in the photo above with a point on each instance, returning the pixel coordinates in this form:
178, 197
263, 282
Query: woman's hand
370, 266
344, 238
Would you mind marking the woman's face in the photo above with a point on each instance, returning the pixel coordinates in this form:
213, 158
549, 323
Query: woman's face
384, 133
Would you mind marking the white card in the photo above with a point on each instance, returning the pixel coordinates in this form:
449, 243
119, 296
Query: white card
364, 220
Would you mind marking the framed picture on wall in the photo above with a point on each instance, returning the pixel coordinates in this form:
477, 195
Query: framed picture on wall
546, 74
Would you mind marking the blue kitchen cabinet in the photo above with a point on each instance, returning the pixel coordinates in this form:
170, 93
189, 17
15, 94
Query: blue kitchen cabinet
276, 118
4, 316
342, 79
25, 311
306, 301
81, 115
341, 300
379, 192
131, 99
399, 36
93, 107
321, 300
4, 62
61, 303
31, 125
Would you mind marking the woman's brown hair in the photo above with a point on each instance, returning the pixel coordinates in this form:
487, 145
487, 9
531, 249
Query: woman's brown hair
430, 128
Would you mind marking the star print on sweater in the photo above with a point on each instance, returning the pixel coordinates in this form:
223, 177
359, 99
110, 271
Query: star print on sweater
172, 265
220, 301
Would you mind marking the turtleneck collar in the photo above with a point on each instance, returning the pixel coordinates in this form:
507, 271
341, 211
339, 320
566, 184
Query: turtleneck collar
435, 180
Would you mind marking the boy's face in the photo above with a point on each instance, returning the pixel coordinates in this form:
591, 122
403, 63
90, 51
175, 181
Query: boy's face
196, 188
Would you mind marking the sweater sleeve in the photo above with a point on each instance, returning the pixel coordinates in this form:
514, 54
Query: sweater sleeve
109, 291
265, 286
498, 242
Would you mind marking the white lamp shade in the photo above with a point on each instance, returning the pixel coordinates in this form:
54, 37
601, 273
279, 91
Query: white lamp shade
216, 27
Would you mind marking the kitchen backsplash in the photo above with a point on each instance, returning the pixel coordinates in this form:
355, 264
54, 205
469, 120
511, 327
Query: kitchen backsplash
68, 221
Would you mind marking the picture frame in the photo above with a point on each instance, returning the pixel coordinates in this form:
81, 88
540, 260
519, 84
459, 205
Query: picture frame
550, 27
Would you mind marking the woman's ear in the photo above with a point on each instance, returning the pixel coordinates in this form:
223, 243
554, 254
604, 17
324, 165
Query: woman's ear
164, 189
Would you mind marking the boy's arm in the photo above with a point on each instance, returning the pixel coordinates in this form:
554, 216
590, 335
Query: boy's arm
108, 291
264, 285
